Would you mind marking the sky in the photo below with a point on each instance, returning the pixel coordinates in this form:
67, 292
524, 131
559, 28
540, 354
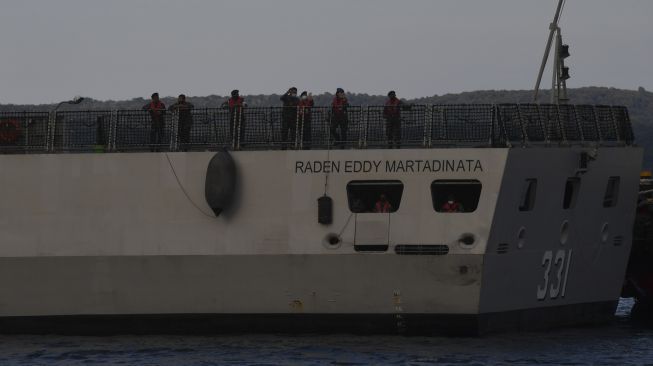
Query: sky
120, 49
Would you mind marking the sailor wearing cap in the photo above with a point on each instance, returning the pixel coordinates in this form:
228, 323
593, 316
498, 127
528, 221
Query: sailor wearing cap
339, 118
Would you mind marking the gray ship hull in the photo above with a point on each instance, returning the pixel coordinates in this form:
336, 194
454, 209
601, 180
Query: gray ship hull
125, 243
201, 295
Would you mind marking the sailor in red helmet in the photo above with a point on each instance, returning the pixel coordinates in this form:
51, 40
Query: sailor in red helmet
392, 115
339, 118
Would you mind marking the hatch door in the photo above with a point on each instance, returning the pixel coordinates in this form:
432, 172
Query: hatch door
372, 229
373, 203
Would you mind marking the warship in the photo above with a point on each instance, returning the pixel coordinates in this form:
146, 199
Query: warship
241, 231
481, 218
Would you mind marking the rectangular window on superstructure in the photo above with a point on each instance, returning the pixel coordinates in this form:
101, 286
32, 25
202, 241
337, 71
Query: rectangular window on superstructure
572, 187
611, 192
374, 196
528, 194
451, 196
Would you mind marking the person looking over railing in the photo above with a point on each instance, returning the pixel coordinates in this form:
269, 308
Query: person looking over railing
289, 116
382, 205
392, 116
183, 110
452, 205
236, 105
306, 104
339, 118
157, 111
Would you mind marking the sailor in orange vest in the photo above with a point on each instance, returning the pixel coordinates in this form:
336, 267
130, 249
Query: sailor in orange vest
392, 115
452, 205
382, 205
236, 105
157, 111
9, 131
339, 118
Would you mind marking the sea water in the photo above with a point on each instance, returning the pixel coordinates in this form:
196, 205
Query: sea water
620, 343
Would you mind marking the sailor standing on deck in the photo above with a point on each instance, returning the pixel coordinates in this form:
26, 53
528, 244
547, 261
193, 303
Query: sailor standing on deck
183, 109
157, 111
339, 118
305, 106
392, 115
289, 116
236, 105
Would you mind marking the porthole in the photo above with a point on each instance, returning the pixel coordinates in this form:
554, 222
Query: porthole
332, 241
467, 240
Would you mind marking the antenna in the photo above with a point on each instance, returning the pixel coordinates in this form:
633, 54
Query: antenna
560, 72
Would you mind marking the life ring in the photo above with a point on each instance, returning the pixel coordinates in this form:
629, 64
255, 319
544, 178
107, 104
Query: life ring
221, 180
9, 131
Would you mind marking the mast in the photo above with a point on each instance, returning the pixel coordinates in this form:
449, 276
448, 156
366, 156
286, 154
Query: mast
560, 72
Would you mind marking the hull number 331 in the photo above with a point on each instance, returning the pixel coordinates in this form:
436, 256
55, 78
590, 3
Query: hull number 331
556, 271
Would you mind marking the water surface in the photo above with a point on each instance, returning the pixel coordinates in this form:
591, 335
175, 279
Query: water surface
620, 343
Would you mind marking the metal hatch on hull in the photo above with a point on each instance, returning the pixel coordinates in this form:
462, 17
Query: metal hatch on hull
372, 231
373, 203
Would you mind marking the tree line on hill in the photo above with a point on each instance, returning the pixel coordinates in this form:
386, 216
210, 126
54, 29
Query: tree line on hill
639, 103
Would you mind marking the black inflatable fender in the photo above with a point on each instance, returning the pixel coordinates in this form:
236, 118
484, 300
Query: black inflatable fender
220, 187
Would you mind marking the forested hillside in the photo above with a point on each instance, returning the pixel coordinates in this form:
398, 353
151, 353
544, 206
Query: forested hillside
639, 103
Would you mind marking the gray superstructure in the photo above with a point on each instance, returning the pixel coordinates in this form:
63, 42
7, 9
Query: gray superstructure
129, 238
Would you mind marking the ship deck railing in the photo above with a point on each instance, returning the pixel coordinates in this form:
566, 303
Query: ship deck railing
267, 128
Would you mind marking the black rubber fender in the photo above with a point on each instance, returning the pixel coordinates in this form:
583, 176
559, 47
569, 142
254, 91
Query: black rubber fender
325, 210
220, 187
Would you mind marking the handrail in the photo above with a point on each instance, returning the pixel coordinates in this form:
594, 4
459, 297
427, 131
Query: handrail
259, 128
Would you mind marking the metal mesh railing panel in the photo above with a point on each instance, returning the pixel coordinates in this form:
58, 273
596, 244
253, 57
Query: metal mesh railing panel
413, 125
270, 128
207, 128
255, 128
399, 125
135, 130
347, 129
375, 127
463, 124
283, 122
510, 123
81, 130
24, 131
624, 127
606, 123
587, 122
550, 118
531, 122
315, 127
569, 124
